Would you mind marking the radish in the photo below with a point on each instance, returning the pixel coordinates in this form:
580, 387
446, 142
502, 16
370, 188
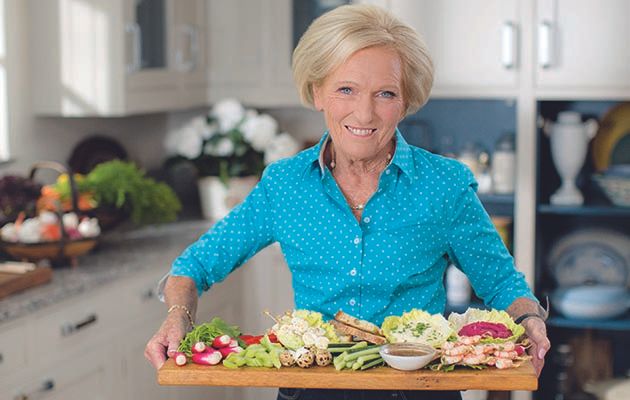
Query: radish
210, 357
519, 350
233, 343
225, 351
199, 347
180, 359
221, 341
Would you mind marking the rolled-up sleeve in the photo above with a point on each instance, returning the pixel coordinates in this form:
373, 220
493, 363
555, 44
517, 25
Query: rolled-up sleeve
477, 249
232, 241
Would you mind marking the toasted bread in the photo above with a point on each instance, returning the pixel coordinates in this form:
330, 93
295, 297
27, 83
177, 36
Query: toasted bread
357, 333
360, 324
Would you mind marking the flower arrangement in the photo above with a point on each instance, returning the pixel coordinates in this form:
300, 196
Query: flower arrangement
230, 141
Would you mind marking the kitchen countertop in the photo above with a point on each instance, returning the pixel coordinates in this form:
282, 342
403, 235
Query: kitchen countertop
120, 254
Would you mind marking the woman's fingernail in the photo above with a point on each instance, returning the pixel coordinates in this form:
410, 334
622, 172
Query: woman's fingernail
541, 353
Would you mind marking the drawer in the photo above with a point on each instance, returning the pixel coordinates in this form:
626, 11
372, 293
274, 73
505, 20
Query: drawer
74, 324
12, 348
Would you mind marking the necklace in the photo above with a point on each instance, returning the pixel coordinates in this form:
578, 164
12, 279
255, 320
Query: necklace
333, 164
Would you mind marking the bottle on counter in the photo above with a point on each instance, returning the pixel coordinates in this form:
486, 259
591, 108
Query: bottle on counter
504, 165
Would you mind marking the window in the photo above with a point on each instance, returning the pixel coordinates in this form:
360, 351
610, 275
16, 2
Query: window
4, 113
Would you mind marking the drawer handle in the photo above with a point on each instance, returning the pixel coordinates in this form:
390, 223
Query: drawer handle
46, 386
71, 328
147, 294
1, 358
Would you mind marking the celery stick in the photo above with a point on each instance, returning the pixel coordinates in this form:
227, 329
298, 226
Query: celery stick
356, 365
367, 347
371, 364
364, 359
358, 345
366, 352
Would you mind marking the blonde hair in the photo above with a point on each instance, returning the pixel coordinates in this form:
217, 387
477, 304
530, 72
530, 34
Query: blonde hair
332, 38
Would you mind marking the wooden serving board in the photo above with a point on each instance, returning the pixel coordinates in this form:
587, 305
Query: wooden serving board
383, 378
11, 283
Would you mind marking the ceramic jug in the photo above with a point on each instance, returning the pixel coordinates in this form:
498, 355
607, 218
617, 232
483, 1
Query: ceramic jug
569, 144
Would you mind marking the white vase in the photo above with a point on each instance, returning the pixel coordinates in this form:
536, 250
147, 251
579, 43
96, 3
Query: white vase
218, 199
569, 144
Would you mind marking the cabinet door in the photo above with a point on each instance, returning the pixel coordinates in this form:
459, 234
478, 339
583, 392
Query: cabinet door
583, 44
189, 43
89, 376
474, 43
236, 34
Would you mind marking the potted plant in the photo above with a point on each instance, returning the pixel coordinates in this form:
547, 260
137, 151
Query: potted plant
115, 188
229, 147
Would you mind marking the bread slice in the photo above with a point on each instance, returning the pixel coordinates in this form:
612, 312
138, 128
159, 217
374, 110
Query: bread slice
357, 333
360, 324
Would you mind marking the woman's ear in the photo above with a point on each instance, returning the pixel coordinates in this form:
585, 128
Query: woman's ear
317, 97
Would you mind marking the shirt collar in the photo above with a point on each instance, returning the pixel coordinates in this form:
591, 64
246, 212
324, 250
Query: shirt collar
403, 156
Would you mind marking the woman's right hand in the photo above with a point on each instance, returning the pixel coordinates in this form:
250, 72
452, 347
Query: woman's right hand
166, 341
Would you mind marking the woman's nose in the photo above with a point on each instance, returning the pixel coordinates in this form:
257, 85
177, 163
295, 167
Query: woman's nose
364, 109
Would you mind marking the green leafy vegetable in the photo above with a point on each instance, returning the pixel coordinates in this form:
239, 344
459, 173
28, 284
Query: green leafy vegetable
417, 326
123, 185
457, 321
206, 333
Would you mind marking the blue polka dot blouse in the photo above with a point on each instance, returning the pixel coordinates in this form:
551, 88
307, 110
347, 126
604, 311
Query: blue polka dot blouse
393, 260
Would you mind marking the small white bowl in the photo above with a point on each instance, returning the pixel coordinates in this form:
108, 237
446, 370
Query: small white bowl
407, 356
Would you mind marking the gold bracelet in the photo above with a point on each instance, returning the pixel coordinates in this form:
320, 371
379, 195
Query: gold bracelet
180, 307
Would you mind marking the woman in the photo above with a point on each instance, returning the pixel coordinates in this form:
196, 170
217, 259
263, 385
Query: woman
365, 220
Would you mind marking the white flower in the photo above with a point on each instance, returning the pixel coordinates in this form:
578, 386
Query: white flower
200, 125
223, 148
282, 146
259, 130
187, 141
229, 113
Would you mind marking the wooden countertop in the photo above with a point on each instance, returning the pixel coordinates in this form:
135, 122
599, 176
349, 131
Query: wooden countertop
384, 378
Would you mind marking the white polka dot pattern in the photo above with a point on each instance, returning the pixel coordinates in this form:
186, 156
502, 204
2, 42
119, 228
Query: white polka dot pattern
392, 261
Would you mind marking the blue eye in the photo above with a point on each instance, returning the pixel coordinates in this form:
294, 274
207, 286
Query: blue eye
345, 90
388, 94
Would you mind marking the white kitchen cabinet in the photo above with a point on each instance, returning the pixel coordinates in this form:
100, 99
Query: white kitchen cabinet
474, 43
583, 46
113, 58
250, 46
74, 377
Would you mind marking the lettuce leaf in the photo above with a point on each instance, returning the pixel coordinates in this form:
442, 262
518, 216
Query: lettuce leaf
457, 321
417, 326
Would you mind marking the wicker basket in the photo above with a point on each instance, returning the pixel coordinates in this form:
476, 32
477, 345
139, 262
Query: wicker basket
60, 251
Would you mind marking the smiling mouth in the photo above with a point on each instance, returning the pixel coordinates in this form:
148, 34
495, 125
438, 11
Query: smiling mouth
362, 132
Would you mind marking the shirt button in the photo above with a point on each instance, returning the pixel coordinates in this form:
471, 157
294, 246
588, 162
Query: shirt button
353, 271
388, 171
352, 302
357, 240
366, 220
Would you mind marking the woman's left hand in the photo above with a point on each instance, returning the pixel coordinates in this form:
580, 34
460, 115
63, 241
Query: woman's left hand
537, 333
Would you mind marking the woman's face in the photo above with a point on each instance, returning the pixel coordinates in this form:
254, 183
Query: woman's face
362, 102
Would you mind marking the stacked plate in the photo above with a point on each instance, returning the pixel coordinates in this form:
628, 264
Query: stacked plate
592, 270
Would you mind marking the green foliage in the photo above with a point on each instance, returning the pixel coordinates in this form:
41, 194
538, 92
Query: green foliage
123, 185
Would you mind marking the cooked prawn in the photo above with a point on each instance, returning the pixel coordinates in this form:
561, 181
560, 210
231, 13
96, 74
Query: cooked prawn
506, 354
502, 363
457, 350
452, 359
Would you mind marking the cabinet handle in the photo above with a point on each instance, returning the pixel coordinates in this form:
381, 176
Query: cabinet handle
189, 33
1, 358
46, 386
509, 36
545, 44
148, 294
136, 47
73, 327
